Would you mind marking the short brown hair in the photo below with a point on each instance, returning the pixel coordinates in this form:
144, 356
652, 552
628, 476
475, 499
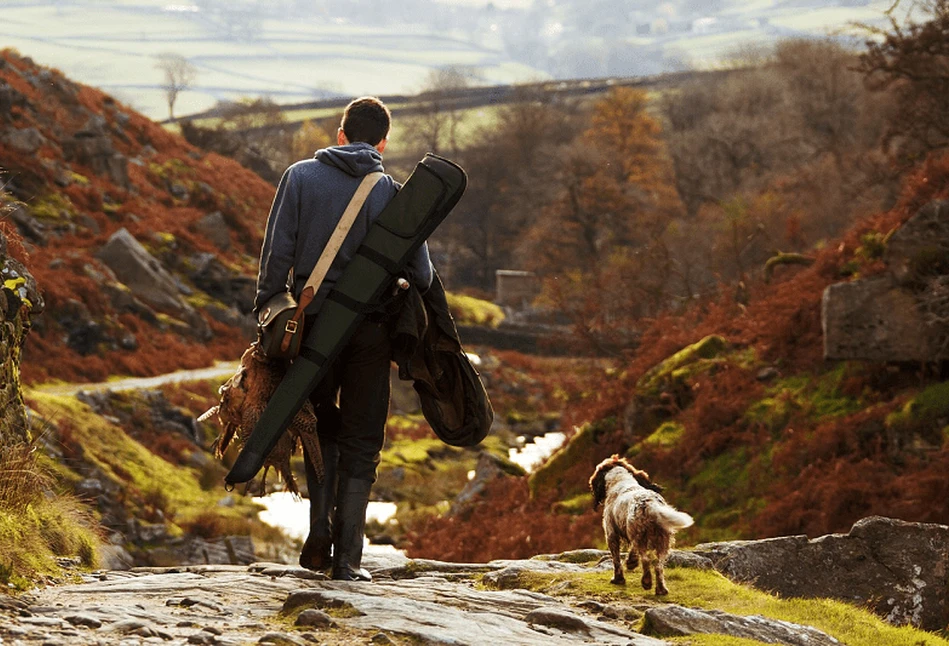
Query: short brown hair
366, 119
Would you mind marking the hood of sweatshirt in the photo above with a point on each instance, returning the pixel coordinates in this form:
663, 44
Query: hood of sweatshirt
357, 159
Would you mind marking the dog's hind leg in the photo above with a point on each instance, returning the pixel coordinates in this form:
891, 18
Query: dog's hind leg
661, 588
647, 571
612, 541
632, 560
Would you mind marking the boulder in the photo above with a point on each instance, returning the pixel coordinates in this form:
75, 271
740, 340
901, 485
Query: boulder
900, 315
488, 469
19, 301
93, 148
25, 140
193, 550
210, 275
874, 320
676, 621
895, 568
213, 227
920, 245
28, 226
141, 273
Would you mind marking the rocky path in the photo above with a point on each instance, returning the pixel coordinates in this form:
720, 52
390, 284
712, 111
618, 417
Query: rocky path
417, 601
409, 602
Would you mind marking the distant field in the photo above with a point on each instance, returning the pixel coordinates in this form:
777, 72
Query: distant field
113, 44
114, 47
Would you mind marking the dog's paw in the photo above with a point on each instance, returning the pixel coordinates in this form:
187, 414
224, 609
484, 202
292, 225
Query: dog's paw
647, 582
618, 580
661, 591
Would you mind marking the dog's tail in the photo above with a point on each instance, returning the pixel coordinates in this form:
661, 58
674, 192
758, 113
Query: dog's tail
670, 518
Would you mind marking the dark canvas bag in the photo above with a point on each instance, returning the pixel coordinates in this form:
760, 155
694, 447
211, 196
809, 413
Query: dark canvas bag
280, 320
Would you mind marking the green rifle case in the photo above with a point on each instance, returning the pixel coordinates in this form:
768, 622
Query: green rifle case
422, 203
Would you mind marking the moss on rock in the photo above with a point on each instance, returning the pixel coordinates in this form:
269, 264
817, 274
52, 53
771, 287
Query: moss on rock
550, 476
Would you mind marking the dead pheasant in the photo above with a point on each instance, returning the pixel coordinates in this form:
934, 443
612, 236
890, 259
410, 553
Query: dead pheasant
244, 398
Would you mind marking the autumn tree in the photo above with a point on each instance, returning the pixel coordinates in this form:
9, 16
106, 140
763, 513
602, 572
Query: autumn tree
177, 76
912, 61
599, 242
511, 169
773, 157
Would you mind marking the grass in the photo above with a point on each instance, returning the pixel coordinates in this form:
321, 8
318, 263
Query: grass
149, 483
711, 591
468, 310
35, 527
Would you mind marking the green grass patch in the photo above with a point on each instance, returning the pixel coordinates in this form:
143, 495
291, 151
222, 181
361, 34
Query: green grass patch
468, 310
813, 397
667, 435
576, 505
713, 640
711, 591
38, 523
674, 367
925, 409
52, 207
149, 482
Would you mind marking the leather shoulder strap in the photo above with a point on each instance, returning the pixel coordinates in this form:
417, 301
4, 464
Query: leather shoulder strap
339, 236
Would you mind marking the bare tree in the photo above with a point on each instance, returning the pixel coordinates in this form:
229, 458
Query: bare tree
439, 115
179, 75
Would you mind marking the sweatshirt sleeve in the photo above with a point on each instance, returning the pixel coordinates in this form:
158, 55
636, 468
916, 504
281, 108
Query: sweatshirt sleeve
420, 269
278, 250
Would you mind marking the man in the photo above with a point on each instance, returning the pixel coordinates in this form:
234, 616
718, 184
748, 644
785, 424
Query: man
309, 203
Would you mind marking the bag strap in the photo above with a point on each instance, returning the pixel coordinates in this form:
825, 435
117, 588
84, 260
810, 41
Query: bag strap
330, 251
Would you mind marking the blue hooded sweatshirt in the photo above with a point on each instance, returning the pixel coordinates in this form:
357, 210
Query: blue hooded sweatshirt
310, 200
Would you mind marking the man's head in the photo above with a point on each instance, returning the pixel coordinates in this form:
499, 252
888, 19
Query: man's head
367, 120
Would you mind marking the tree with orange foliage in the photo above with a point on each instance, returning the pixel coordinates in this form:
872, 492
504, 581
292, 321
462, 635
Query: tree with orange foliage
599, 243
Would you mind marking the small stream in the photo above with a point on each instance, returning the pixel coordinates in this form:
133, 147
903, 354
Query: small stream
292, 514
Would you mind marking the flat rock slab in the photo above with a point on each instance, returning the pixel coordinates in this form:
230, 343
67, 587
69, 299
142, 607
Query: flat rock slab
437, 611
676, 621
895, 568
409, 602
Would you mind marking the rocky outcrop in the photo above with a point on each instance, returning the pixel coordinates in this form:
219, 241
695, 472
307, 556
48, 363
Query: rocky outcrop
20, 299
676, 621
149, 281
902, 315
92, 147
25, 140
897, 569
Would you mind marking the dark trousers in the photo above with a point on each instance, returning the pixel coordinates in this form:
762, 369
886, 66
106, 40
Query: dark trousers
358, 383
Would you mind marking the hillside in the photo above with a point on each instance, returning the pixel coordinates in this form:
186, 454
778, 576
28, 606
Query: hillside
83, 168
731, 406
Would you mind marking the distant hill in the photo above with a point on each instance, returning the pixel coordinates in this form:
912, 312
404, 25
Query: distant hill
732, 407
145, 247
294, 51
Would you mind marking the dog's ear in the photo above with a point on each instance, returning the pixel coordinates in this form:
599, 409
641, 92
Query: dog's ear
598, 486
643, 479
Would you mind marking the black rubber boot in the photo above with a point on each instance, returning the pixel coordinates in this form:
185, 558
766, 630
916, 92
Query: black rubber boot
316, 550
350, 527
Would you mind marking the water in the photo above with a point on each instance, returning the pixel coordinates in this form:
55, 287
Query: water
532, 454
292, 514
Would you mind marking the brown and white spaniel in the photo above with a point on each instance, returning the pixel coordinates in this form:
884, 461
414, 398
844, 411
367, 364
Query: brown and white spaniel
635, 513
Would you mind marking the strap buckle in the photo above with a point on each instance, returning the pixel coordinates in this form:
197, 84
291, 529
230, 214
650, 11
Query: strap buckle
291, 327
